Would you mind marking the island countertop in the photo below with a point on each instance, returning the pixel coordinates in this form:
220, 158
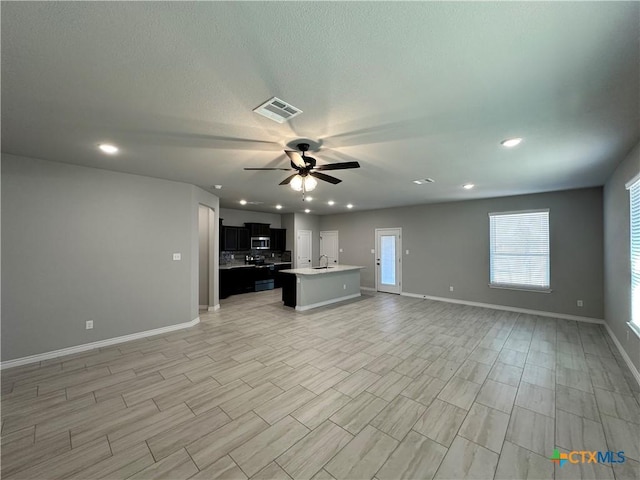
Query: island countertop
322, 271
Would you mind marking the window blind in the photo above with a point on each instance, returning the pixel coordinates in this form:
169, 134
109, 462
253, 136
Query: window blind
519, 249
634, 222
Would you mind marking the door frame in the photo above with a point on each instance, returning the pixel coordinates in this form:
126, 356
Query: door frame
397, 230
337, 243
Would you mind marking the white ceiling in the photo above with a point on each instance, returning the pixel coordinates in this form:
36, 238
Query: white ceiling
410, 90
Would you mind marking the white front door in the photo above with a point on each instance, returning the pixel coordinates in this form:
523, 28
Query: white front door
303, 249
329, 247
388, 260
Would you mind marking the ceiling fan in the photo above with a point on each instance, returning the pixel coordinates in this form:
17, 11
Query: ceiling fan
307, 171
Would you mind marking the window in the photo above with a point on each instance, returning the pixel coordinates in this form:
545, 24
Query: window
634, 228
519, 249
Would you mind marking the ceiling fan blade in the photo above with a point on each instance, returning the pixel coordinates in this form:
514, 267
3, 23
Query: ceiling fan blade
285, 169
337, 166
296, 158
287, 180
326, 178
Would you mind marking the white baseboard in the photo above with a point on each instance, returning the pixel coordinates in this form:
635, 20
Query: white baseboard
632, 367
214, 308
99, 344
540, 313
327, 302
368, 289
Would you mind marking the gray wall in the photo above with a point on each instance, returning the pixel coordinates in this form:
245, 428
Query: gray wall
237, 218
86, 244
617, 268
449, 245
288, 223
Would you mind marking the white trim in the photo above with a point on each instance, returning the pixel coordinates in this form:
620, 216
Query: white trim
632, 367
520, 288
93, 345
630, 183
497, 214
634, 328
327, 302
541, 313
214, 308
367, 289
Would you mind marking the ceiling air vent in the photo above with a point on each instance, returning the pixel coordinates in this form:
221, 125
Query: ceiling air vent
277, 110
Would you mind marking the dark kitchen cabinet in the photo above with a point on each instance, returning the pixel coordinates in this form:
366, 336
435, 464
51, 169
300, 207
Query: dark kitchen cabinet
236, 280
278, 239
277, 276
234, 238
244, 239
230, 235
258, 229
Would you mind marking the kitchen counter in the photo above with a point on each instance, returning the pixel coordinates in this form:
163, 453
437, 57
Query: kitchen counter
307, 288
249, 265
322, 271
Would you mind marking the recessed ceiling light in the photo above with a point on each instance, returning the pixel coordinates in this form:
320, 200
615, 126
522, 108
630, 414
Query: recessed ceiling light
511, 142
308, 199
217, 187
279, 207
423, 180
243, 202
349, 206
418, 182
331, 202
468, 186
306, 210
107, 148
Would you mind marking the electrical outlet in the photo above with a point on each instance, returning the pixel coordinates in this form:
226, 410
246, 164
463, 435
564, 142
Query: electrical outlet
177, 256
341, 250
88, 325
232, 256
344, 286
580, 304
373, 251
451, 288
407, 251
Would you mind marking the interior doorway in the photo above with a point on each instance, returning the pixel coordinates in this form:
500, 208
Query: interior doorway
389, 260
329, 246
303, 249
206, 255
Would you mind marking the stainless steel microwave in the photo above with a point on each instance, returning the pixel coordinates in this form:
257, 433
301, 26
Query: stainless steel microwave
260, 243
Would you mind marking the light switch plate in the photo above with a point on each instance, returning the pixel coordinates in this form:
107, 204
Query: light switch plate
373, 251
88, 325
341, 250
177, 256
407, 251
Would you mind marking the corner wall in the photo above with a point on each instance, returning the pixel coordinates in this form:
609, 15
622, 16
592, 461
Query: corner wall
617, 267
86, 244
448, 244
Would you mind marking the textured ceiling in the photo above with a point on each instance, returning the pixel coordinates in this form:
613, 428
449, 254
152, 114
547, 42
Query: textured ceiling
410, 90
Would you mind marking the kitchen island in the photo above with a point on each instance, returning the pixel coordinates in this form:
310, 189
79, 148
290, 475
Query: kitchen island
307, 288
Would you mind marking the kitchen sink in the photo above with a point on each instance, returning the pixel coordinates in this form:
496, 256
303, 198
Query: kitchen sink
320, 268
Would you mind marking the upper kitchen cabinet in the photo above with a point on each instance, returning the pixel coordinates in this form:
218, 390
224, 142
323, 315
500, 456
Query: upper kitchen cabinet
278, 239
258, 229
244, 238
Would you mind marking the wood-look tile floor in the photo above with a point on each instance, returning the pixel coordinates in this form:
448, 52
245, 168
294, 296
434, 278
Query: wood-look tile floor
385, 386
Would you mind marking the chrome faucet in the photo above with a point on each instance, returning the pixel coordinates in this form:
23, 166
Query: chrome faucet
320, 261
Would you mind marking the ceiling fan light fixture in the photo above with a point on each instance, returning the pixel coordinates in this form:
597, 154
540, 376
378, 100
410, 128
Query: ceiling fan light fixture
511, 142
296, 183
310, 183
